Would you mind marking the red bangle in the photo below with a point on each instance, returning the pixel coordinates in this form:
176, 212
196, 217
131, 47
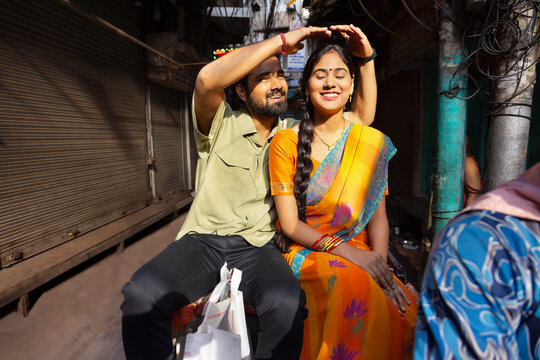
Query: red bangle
313, 247
283, 43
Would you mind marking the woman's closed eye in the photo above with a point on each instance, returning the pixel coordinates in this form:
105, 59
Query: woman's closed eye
340, 73
323, 74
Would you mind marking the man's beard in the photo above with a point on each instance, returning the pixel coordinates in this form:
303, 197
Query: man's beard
269, 110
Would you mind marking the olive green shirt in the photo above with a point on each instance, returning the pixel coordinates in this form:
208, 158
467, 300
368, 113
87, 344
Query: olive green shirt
232, 183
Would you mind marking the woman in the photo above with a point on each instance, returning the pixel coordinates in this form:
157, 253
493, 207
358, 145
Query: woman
357, 309
472, 181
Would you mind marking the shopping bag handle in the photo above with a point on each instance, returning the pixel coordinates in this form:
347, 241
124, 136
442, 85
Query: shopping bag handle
236, 278
230, 281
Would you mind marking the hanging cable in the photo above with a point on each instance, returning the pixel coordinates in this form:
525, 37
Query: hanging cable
414, 16
122, 33
375, 20
501, 35
446, 13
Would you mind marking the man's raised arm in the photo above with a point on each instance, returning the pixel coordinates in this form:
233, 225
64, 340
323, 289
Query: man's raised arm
225, 71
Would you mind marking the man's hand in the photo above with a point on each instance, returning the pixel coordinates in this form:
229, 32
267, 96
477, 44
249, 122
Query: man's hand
295, 37
357, 41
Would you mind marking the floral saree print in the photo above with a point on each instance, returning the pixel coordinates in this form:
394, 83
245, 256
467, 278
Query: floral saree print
349, 315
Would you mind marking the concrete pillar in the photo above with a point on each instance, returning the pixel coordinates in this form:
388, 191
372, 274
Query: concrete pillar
512, 104
450, 148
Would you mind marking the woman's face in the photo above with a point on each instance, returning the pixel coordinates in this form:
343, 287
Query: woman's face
330, 84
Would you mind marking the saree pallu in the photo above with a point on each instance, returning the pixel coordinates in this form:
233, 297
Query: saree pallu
349, 315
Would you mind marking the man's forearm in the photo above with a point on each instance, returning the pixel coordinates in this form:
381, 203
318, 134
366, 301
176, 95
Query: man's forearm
223, 72
227, 70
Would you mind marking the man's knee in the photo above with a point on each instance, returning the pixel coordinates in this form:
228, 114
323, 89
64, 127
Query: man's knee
145, 293
286, 300
137, 298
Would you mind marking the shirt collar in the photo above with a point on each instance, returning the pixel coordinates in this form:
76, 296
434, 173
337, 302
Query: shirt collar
245, 123
247, 128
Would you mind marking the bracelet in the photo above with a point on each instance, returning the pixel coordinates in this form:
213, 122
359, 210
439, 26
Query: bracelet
283, 43
321, 245
367, 59
336, 244
314, 246
327, 243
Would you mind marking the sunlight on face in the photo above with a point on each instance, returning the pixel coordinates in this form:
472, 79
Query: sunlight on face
267, 89
330, 84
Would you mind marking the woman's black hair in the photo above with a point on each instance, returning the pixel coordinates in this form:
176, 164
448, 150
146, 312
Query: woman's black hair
304, 165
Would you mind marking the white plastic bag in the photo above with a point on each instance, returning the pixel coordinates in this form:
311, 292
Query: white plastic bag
223, 332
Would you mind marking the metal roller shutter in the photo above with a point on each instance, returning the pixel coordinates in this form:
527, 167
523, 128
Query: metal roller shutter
191, 154
72, 123
167, 140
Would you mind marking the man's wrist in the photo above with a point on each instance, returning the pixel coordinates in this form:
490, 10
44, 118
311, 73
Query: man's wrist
283, 43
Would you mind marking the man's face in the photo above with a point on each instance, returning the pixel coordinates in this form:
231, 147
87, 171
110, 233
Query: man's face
267, 89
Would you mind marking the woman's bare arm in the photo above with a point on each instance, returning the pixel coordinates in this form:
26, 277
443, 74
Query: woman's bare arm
305, 235
364, 101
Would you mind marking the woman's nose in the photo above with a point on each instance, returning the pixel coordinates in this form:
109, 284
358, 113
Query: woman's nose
329, 81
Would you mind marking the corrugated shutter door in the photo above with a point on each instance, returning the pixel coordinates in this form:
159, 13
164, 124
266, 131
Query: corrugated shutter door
191, 153
166, 131
397, 112
72, 124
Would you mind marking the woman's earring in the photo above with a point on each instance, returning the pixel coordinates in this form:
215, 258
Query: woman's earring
307, 98
350, 97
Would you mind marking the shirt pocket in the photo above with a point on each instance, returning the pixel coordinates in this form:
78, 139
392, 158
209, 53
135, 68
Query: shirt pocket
235, 170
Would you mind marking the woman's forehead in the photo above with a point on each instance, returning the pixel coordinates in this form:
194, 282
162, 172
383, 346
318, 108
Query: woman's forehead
330, 60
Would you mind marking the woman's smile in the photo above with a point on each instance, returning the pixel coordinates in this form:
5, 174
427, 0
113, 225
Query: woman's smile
330, 95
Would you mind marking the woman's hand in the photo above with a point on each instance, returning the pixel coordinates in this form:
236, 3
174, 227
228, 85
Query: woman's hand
372, 262
357, 41
397, 295
295, 37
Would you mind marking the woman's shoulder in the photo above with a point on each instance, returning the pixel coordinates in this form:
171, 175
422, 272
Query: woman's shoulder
287, 135
284, 141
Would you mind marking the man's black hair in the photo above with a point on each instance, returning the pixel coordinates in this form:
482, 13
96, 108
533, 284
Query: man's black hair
232, 97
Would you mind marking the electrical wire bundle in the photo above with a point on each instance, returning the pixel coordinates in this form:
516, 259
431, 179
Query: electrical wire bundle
509, 29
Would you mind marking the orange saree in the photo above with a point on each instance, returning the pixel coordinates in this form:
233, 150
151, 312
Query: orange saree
349, 315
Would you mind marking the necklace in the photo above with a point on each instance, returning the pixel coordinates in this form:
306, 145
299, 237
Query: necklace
330, 146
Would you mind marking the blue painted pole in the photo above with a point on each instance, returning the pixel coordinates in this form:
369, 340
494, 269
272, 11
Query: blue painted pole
450, 141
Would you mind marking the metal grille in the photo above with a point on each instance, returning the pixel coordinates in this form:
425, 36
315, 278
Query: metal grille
72, 123
166, 132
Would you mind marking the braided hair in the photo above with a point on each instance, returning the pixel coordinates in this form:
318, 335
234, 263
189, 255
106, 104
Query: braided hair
304, 165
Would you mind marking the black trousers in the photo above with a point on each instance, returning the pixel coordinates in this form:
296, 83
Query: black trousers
189, 269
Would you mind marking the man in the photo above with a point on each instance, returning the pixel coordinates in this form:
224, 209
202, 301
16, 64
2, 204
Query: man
481, 289
232, 216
